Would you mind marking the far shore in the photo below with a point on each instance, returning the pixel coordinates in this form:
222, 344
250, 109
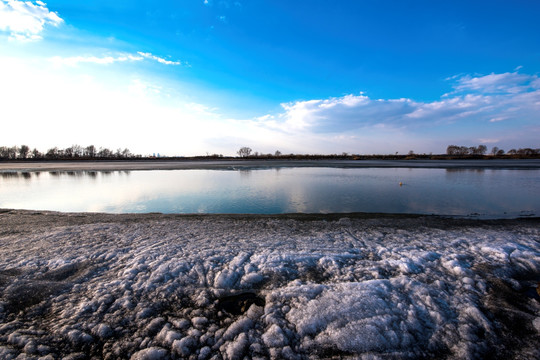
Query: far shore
248, 164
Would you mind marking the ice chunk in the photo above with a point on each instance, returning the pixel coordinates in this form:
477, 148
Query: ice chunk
199, 321
184, 347
166, 336
226, 278
7, 353
205, 353
241, 325
236, 348
152, 353
79, 337
274, 337
103, 331
536, 324
155, 325
252, 279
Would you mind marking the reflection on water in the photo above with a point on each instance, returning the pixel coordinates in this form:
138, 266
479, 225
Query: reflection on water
479, 192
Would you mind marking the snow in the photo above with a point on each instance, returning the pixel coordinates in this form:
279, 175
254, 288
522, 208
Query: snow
233, 287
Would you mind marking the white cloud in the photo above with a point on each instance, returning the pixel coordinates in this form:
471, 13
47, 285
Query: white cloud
24, 20
158, 59
341, 114
481, 104
107, 60
518, 98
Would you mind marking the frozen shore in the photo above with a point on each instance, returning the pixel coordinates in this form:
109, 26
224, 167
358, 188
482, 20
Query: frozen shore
152, 286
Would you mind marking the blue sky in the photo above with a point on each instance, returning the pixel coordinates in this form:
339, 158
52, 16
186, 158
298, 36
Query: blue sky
195, 77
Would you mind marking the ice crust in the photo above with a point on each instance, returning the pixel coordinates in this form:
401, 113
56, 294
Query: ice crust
154, 288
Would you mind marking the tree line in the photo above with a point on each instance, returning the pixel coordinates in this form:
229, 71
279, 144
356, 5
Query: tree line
77, 152
73, 152
481, 150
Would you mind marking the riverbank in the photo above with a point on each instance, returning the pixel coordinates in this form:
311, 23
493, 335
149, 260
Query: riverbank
230, 286
239, 164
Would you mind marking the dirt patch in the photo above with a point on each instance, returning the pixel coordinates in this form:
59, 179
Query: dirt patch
239, 303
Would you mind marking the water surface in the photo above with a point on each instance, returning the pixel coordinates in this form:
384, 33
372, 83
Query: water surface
487, 193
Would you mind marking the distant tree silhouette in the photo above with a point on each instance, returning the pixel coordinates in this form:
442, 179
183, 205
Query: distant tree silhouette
90, 151
24, 150
126, 153
528, 151
481, 150
105, 153
244, 151
36, 154
464, 150
73, 152
52, 153
77, 150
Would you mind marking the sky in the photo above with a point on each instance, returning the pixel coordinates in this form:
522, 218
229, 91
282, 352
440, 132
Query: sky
197, 77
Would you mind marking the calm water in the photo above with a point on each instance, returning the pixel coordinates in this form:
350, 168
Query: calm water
485, 193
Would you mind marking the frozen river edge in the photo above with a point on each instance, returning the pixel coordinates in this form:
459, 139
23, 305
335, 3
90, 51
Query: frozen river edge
154, 286
252, 164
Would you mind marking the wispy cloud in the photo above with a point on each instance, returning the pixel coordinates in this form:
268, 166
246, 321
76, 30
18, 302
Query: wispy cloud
509, 82
159, 59
25, 20
104, 60
488, 141
109, 59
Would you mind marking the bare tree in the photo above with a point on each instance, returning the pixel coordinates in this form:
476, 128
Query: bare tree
244, 151
77, 150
